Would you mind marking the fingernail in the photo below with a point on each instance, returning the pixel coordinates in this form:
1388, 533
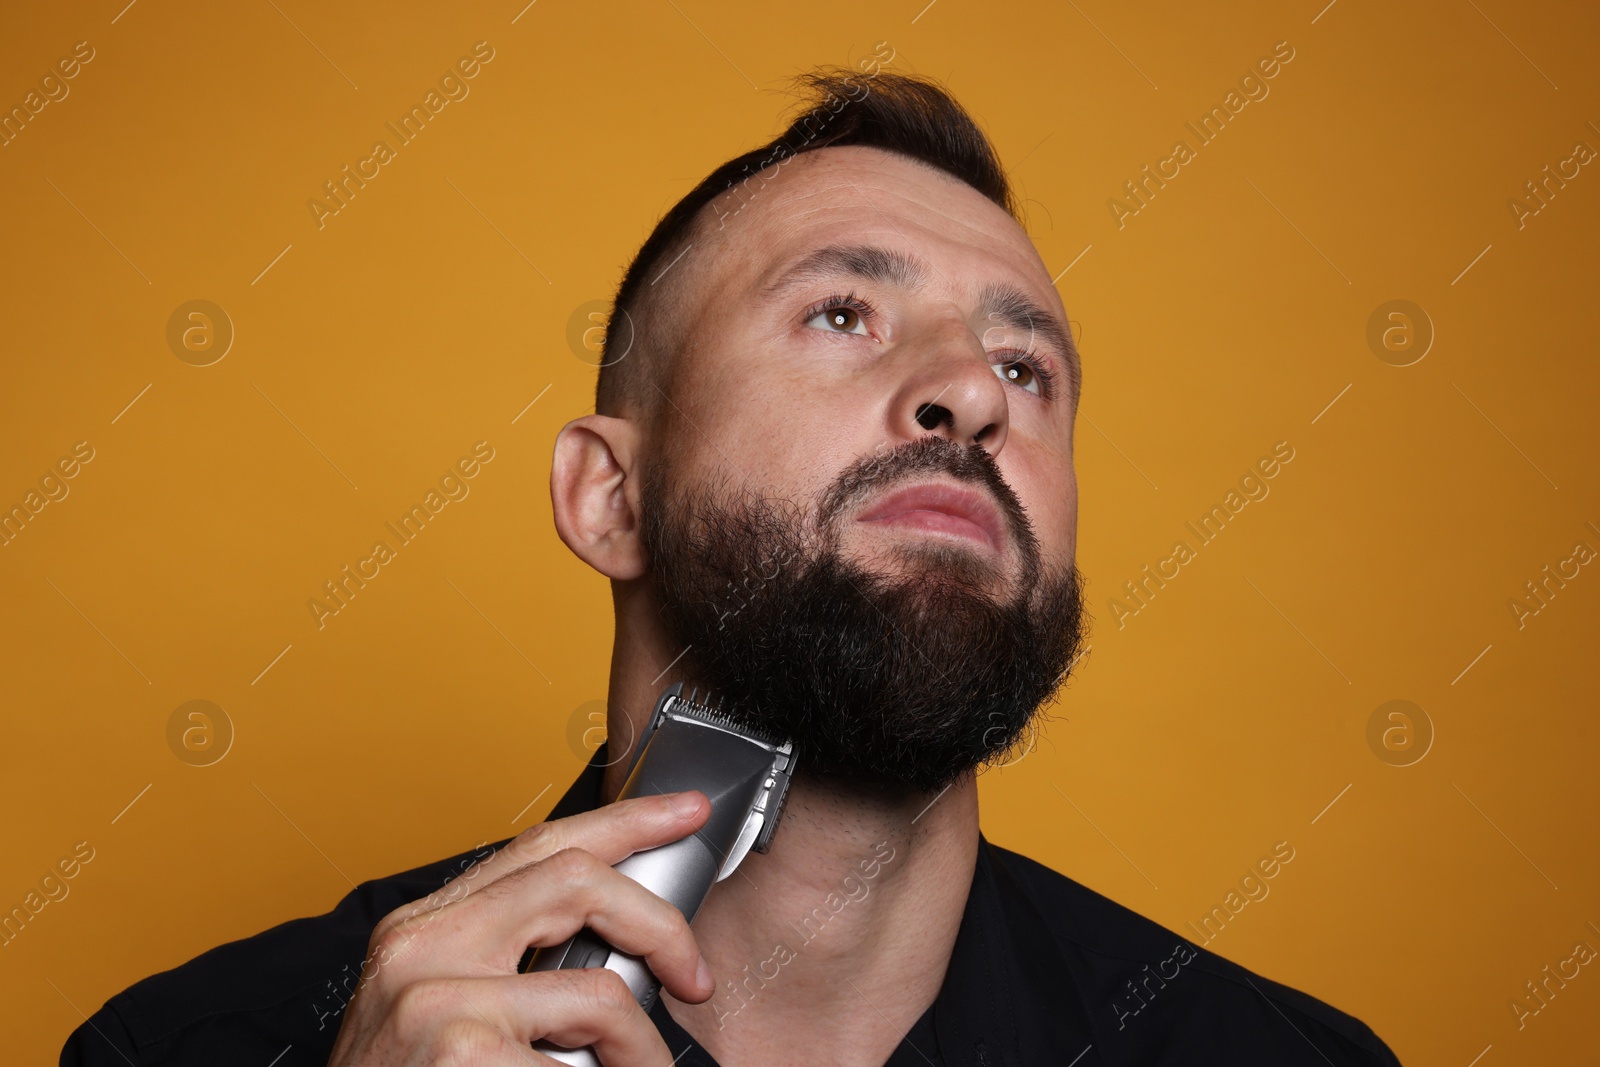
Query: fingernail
702, 975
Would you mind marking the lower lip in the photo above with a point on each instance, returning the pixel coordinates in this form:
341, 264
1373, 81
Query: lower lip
936, 522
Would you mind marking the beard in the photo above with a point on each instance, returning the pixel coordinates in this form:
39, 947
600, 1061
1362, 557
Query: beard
910, 678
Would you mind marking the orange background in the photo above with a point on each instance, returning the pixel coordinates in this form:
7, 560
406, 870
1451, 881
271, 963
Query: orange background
437, 709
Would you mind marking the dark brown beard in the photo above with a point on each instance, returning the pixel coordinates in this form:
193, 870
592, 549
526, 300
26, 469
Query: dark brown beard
912, 679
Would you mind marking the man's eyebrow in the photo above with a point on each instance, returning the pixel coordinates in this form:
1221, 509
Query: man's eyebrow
867, 262
1000, 303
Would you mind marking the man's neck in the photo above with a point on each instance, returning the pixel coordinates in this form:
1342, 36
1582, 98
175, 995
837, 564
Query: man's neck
829, 947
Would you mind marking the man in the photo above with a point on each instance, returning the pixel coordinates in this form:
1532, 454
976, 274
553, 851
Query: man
829, 475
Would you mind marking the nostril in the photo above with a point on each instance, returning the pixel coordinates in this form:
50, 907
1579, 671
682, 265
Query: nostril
931, 416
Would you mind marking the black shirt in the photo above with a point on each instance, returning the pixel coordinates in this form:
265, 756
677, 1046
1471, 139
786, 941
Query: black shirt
1044, 971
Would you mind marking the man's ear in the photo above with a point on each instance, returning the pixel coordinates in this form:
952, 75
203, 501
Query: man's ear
594, 494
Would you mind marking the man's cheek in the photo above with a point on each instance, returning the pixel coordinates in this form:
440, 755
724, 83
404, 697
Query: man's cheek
1050, 497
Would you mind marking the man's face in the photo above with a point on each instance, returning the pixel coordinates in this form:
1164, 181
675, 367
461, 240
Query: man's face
861, 509
766, 395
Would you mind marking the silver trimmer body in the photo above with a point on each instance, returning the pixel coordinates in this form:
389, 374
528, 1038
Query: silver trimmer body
688, 744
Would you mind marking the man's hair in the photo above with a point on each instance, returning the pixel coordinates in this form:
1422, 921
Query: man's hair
907, 114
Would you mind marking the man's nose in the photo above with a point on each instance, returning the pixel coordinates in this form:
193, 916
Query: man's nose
948, 386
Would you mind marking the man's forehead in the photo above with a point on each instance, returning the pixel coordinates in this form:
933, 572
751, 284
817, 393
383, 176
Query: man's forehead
833, 195
869, 215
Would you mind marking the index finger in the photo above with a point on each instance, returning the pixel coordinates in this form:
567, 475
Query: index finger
611, 833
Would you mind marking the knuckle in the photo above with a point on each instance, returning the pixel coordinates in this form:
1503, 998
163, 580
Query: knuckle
417, 1003
609, 996
531, 842
672, 928
640, 813
396, 926
461, 1042
390, 945
384, 925
573, 868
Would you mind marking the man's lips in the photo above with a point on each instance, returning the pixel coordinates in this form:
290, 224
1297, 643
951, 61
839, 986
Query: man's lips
944, 507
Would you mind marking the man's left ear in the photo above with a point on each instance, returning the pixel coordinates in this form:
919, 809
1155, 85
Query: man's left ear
594, 494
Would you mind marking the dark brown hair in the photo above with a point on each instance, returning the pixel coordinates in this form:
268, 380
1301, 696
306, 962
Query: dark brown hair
903, 113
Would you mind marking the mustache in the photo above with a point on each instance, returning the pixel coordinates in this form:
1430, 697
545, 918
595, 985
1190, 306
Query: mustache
927, 455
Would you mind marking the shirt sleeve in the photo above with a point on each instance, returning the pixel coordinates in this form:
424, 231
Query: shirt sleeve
101, 1041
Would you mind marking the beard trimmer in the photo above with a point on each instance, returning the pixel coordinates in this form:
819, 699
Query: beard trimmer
689, 743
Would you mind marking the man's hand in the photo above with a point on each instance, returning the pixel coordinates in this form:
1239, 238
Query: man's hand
440, 984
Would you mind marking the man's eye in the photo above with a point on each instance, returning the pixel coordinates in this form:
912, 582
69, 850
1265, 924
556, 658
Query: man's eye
1019, 373
839, 320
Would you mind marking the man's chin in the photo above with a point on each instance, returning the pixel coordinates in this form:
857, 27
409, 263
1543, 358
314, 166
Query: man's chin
939, 562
